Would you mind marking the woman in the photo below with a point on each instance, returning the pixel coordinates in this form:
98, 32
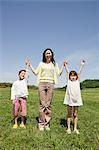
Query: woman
47, 72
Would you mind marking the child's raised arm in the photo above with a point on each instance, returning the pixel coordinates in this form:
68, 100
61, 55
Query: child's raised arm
81, 67
66, 68
27, 69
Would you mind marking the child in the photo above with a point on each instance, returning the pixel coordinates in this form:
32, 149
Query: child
73, 96
19, 93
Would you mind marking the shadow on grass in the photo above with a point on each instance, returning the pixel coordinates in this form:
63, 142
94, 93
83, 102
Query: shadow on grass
37, 119
19, 120
63, 123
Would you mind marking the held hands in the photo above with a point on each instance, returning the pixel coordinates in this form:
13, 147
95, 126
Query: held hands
82, 62
27, 62
65, 62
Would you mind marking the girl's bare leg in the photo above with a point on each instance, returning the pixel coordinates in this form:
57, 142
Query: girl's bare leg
69, 119
75, 110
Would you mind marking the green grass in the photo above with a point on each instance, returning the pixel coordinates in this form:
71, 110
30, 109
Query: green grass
56, 139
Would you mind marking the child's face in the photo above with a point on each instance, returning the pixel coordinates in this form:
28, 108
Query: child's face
48, 55
22, 75
73, 77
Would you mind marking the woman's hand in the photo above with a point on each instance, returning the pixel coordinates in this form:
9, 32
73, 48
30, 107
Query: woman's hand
65, 62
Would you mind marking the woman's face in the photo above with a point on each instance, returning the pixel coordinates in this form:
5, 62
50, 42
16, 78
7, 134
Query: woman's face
48, 56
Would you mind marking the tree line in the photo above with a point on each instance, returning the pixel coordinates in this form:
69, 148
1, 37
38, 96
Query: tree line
88, 83
5, 85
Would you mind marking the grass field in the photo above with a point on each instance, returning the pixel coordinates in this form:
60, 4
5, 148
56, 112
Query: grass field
56, 139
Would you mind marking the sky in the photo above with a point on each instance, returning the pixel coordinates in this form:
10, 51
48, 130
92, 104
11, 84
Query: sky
69, 27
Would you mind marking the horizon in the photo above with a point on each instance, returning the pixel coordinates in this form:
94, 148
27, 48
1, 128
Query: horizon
54, 87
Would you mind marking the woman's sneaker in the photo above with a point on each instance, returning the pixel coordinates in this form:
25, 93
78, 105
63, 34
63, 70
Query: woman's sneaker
41, 129
47, 128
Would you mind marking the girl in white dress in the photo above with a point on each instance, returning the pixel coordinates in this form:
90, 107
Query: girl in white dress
73, 95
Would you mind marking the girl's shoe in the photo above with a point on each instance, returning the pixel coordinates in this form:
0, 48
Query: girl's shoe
68, 131
15, 126
22, 126
76, 131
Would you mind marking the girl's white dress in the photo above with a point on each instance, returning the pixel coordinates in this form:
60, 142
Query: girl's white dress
73, 94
